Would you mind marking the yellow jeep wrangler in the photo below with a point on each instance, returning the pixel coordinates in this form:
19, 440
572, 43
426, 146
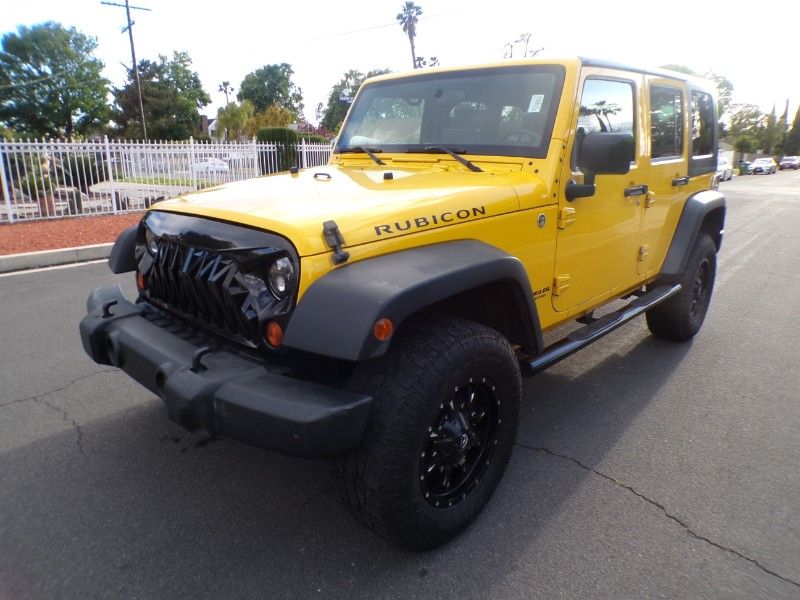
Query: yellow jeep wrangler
383, 308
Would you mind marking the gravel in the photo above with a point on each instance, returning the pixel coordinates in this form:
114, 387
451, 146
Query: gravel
63, 233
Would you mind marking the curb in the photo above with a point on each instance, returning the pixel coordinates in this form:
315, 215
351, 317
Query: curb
50, 258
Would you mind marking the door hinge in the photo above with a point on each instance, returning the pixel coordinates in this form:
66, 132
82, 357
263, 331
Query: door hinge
644, 251
566, 216
560, 284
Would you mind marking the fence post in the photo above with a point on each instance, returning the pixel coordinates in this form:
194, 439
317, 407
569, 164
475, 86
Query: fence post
110, 174
303, 157
4, 184
192, 162
256, 164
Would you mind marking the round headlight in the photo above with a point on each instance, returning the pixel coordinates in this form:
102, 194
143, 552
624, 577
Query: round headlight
281, 278
151, 241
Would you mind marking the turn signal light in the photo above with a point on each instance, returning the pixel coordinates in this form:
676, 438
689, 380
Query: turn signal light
383, 329
140, 281
274, 334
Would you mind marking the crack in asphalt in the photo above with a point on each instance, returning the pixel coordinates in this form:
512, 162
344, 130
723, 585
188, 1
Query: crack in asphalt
65, 417
40, 399
60, 389
664, 510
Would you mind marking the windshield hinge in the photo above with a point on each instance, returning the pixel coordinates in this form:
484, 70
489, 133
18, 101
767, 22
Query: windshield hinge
335, 240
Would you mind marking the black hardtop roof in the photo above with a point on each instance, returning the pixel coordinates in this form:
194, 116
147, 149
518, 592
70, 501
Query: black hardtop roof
594, 62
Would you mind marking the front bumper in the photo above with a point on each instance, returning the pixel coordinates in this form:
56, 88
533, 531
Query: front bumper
210, 388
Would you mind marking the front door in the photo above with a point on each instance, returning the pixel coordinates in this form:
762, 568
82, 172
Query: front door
598, 238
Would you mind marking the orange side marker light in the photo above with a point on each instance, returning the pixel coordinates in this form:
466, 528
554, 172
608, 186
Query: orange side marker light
383, 329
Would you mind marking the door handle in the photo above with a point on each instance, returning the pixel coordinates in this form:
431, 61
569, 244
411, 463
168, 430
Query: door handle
680, 181
637, 190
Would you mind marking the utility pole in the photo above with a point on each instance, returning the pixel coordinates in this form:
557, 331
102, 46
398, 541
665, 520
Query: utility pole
129, 29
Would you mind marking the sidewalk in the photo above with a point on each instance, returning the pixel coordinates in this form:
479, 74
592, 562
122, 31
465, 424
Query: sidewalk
60, 241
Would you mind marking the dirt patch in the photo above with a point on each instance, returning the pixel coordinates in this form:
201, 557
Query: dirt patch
63, 233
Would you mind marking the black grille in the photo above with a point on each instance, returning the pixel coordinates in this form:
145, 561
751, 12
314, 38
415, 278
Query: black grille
222, 290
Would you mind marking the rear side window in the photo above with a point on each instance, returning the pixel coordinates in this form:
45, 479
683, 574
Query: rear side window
702, 133
702, 124
666, 122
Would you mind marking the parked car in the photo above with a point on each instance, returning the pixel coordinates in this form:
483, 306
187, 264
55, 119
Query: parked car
210, 166
766, 165
789, 162
724, 169
745, 167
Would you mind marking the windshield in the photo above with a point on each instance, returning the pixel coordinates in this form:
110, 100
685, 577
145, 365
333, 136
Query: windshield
506, 111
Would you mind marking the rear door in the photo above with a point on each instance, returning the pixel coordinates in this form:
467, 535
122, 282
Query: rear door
668, 166
598, 237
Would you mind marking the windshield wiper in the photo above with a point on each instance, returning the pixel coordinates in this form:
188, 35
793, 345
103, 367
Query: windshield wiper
452, 152
364, 150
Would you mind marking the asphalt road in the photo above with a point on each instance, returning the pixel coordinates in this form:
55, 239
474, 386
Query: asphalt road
644, 468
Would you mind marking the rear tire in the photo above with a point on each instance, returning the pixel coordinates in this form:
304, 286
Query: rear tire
447, 397
680, 318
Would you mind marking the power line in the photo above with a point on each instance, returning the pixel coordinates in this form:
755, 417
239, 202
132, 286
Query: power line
384, 26
6, 86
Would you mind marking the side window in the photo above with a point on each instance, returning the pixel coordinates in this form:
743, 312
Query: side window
702, 122
606, 106
666, 122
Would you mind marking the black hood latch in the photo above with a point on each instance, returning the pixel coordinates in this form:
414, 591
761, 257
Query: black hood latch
334, 239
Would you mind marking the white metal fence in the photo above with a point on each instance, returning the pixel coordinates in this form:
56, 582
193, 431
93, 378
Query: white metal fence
53, 178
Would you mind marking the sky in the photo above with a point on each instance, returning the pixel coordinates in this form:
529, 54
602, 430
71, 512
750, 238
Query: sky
322, 39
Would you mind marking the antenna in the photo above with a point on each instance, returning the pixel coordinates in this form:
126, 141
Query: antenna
129, 29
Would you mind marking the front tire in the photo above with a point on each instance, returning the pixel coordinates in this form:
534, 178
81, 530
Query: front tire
447, 398
680, 318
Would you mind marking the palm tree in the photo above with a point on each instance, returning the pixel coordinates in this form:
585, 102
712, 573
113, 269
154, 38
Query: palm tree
408, 19
226, 88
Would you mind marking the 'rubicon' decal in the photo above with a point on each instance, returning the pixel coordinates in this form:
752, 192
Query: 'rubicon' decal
420, 222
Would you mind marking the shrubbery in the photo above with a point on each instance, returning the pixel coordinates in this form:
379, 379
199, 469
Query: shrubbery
286, 141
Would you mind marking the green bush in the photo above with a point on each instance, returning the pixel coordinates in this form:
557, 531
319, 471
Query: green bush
36, 184
285, 141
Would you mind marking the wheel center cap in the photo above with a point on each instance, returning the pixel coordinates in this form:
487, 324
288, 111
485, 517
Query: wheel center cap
463, 441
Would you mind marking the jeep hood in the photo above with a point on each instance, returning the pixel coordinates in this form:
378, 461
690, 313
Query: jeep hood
364, 205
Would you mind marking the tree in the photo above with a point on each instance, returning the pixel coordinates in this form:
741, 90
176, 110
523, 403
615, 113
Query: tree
232, 119
745, 144
226, 88
272, 84
408, 19
341, 97
430, 61
723, 84
172, 95
770, 135
746, 119
523, 41
274, 116
50, 82
792, 145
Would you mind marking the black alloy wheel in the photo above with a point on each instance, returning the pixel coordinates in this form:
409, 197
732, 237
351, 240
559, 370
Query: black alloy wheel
461, 443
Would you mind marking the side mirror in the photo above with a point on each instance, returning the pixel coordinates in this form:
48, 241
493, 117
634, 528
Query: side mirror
601, 154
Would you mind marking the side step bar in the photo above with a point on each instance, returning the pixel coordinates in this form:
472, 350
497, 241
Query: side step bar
594, 331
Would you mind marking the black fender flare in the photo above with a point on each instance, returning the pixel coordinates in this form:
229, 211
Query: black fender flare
702, 212
122, 259
336, 315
